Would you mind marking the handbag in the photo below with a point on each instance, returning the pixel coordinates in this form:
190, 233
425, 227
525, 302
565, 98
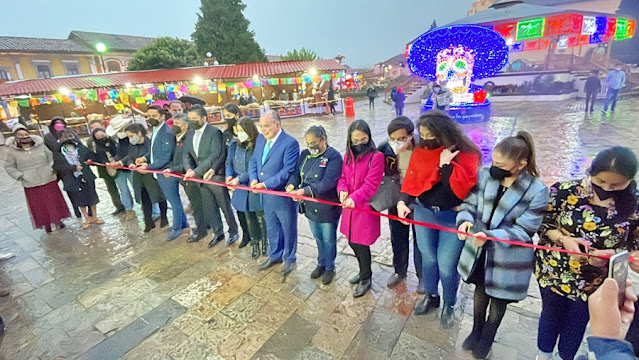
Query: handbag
387, 195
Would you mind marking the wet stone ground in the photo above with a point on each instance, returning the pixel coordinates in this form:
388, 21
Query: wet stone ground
113, 292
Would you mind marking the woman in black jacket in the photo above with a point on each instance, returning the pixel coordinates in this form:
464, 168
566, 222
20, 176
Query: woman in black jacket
318, 170
397, 151
145, 185
77, 177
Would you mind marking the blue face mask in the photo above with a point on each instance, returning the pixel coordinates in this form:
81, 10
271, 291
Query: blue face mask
134, 140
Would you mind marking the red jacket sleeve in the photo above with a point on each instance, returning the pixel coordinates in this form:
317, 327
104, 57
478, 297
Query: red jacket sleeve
464, 175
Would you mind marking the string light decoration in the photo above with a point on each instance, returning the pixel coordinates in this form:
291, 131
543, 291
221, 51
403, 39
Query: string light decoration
488, 48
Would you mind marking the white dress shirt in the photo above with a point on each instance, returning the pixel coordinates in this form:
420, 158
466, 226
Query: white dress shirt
197, 137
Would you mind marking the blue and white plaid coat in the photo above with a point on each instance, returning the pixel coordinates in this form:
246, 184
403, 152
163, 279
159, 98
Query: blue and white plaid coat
518, 216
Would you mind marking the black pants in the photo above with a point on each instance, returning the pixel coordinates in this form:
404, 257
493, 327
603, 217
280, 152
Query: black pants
114, 193
214, 199
371, 102
147, 209
363, 255
253, 226
590, 99
193, 193
400, 235
485, 328
331, 105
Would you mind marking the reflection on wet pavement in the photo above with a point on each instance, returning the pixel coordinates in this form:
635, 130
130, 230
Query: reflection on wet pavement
113, 292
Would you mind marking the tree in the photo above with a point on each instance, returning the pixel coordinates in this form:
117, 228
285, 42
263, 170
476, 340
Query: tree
165, 53
433, 25
301, 54
626, 50
222, 30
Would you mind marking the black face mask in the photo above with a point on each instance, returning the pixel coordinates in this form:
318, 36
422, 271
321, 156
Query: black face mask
195, 125
625, 200
70, 142
231, 122
176, 130
154, 122
430, 144
499, 173
102, 141
359, 148
25, 141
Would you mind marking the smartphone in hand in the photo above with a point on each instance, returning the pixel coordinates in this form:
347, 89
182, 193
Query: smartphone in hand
618, 270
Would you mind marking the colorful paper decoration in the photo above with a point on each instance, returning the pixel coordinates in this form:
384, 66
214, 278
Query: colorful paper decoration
23, 103
221, 87
516, 47
589, 26
161, 89
118, 107
530, 29
508, 31
632, 25
562, 43
563, 24
140, 100
212, 88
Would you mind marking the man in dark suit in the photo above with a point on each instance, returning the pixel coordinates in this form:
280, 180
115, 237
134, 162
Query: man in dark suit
205, 158
160, 157
270, 167
181, 129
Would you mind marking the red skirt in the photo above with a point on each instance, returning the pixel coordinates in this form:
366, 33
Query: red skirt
46, 205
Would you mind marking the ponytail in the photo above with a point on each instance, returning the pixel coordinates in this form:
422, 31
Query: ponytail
520, 147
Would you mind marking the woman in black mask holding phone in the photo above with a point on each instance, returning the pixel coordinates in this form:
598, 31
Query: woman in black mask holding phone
598, 215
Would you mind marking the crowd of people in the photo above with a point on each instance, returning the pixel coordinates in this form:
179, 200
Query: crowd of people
434, 177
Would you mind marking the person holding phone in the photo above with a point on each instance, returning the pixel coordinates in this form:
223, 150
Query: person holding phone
507, 203
609, 321
596, 215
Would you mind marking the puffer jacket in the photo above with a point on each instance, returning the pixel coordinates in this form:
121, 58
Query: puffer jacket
33, 167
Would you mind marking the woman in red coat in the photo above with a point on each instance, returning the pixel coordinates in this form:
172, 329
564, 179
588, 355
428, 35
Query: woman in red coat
362, 173
441, 173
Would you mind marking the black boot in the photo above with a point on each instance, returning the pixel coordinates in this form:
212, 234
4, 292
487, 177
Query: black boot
482, 349
361, 289
448, 316
264, 247
428, 304
245, 241
256, 249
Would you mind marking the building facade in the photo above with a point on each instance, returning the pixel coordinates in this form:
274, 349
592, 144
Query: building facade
40, 58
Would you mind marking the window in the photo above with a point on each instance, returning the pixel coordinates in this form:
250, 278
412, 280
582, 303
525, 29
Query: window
71, 68
43, 69
113, 66
4, 74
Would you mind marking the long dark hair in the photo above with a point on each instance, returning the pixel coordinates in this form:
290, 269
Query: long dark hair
362, 126
247, 124
520, 147
618, 159
444, 128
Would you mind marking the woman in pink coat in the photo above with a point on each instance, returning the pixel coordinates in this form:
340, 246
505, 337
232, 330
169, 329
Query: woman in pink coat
362, 173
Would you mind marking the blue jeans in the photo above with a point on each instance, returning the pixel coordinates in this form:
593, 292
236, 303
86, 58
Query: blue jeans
440, 251
171, 190
611, 95
122, 180
326, 237
564, 319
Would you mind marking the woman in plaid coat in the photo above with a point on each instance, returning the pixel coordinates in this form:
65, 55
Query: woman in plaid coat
508, 202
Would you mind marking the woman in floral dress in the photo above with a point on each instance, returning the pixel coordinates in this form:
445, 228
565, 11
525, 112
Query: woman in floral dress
597, 214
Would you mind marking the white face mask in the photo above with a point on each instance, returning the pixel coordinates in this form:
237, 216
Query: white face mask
618, 68
242, 136
397, 146
121, 135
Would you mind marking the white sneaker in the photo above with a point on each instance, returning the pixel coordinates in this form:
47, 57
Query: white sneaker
6, 256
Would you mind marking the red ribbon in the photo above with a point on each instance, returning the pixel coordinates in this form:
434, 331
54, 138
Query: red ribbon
367, 211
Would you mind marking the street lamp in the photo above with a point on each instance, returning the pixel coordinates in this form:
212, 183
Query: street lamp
101, 48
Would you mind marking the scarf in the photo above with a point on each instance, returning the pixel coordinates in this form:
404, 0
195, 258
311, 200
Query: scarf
423, 172
71, 154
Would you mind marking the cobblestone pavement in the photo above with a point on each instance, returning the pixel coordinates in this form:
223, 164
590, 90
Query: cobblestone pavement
113, 292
